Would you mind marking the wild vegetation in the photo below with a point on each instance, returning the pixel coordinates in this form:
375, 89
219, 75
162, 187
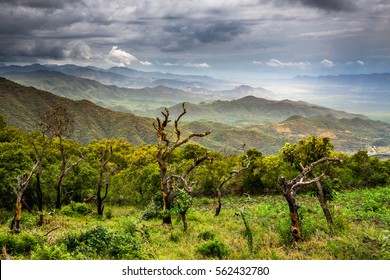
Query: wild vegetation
111, 201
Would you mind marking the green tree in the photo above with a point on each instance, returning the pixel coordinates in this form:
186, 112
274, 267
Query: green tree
57, 124
303, 153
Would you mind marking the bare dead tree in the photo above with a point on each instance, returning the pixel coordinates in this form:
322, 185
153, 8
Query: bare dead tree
291, 187
322, 200
224, 180
166, 144
22, 186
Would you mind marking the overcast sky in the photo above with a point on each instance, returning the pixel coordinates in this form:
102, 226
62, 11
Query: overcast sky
223, 38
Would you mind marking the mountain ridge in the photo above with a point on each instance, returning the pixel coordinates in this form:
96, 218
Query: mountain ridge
22, 107
253, 110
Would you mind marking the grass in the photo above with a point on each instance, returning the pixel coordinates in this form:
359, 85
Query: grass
360, 231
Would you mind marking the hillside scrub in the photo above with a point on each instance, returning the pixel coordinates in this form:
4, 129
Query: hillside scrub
356, 192
359, 232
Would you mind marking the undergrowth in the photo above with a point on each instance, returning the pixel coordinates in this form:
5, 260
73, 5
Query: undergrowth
262, 231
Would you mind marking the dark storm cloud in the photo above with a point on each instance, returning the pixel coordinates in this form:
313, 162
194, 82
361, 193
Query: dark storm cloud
218, 32
330, 5
190, 35
286, 32
40, 4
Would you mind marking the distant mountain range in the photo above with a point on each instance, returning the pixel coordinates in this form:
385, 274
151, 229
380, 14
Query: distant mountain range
123, 76
251, 110
112, 97
23, 106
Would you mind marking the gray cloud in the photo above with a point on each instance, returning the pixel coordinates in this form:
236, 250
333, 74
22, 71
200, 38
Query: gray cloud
192, 34
40, 4
331, 5
203, 31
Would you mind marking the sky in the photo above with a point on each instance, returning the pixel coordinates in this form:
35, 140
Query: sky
242, 39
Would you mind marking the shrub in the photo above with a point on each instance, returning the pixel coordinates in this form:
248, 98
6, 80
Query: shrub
4, 216
89, 242
174, 237
152, 211
214, 249
206, 235
22, 243
76, 209
124, 246
53, 252
98, 242
109, 214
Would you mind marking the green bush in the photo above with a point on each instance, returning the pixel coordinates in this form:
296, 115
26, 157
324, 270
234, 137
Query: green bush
98, 242
109, 214
386, 245
174, 237
206, 235
22, 243
4, 216
153, 210
51, 252
76, 209
213, 249
124, 246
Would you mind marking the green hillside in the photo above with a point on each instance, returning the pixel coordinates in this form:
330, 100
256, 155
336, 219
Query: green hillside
253, 110
23, 106
112, 97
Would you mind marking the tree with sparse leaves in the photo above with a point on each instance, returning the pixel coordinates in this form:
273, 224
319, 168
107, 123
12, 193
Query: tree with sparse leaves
56, 123
291, 187
167, 143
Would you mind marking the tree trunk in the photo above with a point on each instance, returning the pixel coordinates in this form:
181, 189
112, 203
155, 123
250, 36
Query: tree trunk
289, 194
324, 206
100, 199
58, 191
219, 196
166, 199
18, 214
40, 200
167, 203
293, 207
184, 220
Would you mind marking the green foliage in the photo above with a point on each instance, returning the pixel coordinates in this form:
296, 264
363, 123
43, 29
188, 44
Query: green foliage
213, 249
182, 201
76, 209
306, 151
51, 252
4, 216
386, 245
206, 235
248, 232
174, 236
99, 242
108, 213
22, 243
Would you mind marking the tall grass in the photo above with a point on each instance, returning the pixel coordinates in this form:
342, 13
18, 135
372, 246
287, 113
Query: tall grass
262, 231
